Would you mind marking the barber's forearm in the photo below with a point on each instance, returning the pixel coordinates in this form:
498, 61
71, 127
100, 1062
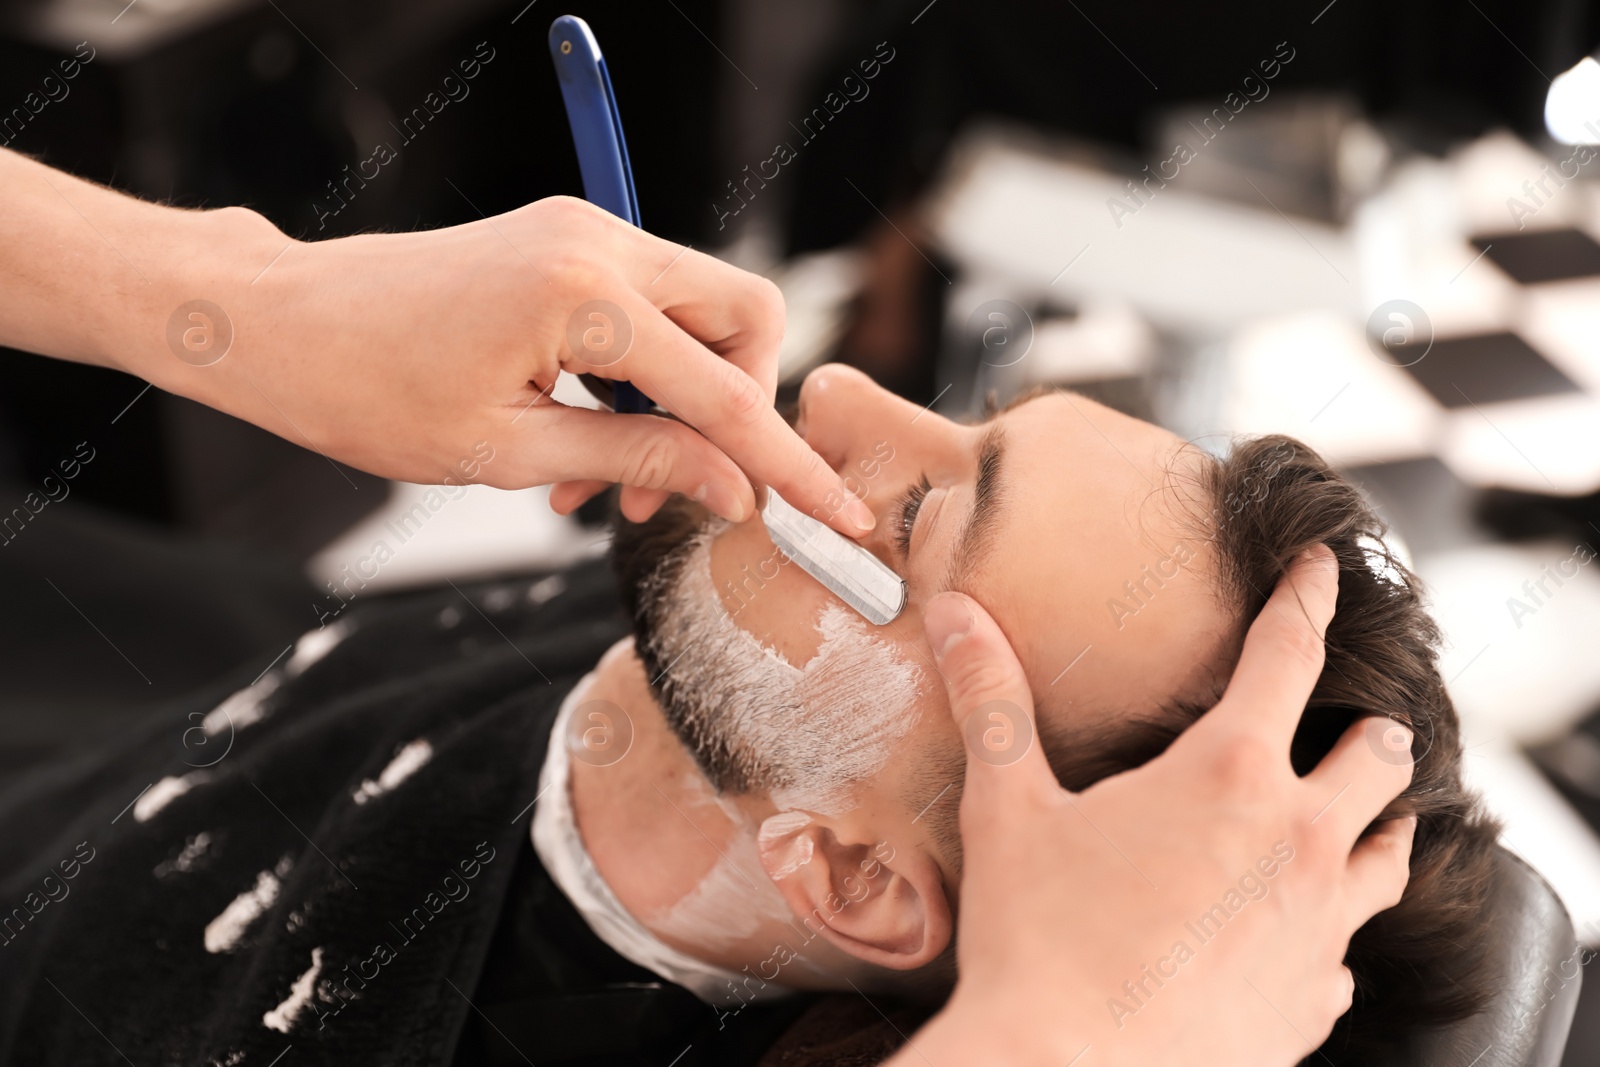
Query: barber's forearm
92, 275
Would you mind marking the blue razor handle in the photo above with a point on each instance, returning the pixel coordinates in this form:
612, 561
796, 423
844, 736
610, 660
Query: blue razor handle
602, 150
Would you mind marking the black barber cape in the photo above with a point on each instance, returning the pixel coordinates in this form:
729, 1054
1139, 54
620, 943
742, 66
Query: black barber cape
274, 900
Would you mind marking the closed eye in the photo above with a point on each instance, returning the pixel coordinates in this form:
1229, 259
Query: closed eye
905, 513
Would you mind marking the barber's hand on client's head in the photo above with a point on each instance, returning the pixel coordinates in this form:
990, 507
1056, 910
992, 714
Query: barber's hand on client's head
1194, 910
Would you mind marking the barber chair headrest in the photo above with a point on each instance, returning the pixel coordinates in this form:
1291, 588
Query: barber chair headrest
1536, 958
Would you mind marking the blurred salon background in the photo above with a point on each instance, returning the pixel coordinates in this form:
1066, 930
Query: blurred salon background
1366, 224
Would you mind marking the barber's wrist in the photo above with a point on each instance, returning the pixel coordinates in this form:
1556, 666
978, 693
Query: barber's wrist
205, 292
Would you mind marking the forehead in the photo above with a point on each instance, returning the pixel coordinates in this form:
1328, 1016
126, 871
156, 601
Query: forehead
1102, 577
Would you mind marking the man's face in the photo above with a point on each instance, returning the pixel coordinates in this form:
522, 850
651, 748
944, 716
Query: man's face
1079, 529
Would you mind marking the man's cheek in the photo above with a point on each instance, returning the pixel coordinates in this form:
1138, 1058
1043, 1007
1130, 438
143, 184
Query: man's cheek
766, 593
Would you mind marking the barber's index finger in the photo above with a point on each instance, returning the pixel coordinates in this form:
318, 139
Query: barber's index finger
734, 412
1283, 651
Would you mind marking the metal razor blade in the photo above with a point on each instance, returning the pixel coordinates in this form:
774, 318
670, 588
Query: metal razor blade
849, 571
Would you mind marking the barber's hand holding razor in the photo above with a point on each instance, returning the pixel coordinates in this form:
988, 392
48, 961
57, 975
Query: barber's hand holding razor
1066, 897
413, 355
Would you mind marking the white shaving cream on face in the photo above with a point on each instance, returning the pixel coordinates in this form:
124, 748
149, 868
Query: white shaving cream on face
809, 734
730, 903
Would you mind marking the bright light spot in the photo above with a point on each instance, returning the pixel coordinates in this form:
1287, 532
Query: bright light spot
1572, 107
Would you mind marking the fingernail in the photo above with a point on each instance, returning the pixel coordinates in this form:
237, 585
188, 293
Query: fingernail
859, 514
1401, 734
1319, 555
721, 500
946, 620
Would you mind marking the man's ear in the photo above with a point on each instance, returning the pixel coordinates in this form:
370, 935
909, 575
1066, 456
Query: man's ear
881, 904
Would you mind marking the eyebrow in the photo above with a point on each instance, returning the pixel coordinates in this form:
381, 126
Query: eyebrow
976, 538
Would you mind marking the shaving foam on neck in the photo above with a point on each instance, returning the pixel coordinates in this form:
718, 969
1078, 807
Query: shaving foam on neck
729, 904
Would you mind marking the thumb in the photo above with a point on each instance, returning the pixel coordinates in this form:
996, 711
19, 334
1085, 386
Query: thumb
645, 451
990, 702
